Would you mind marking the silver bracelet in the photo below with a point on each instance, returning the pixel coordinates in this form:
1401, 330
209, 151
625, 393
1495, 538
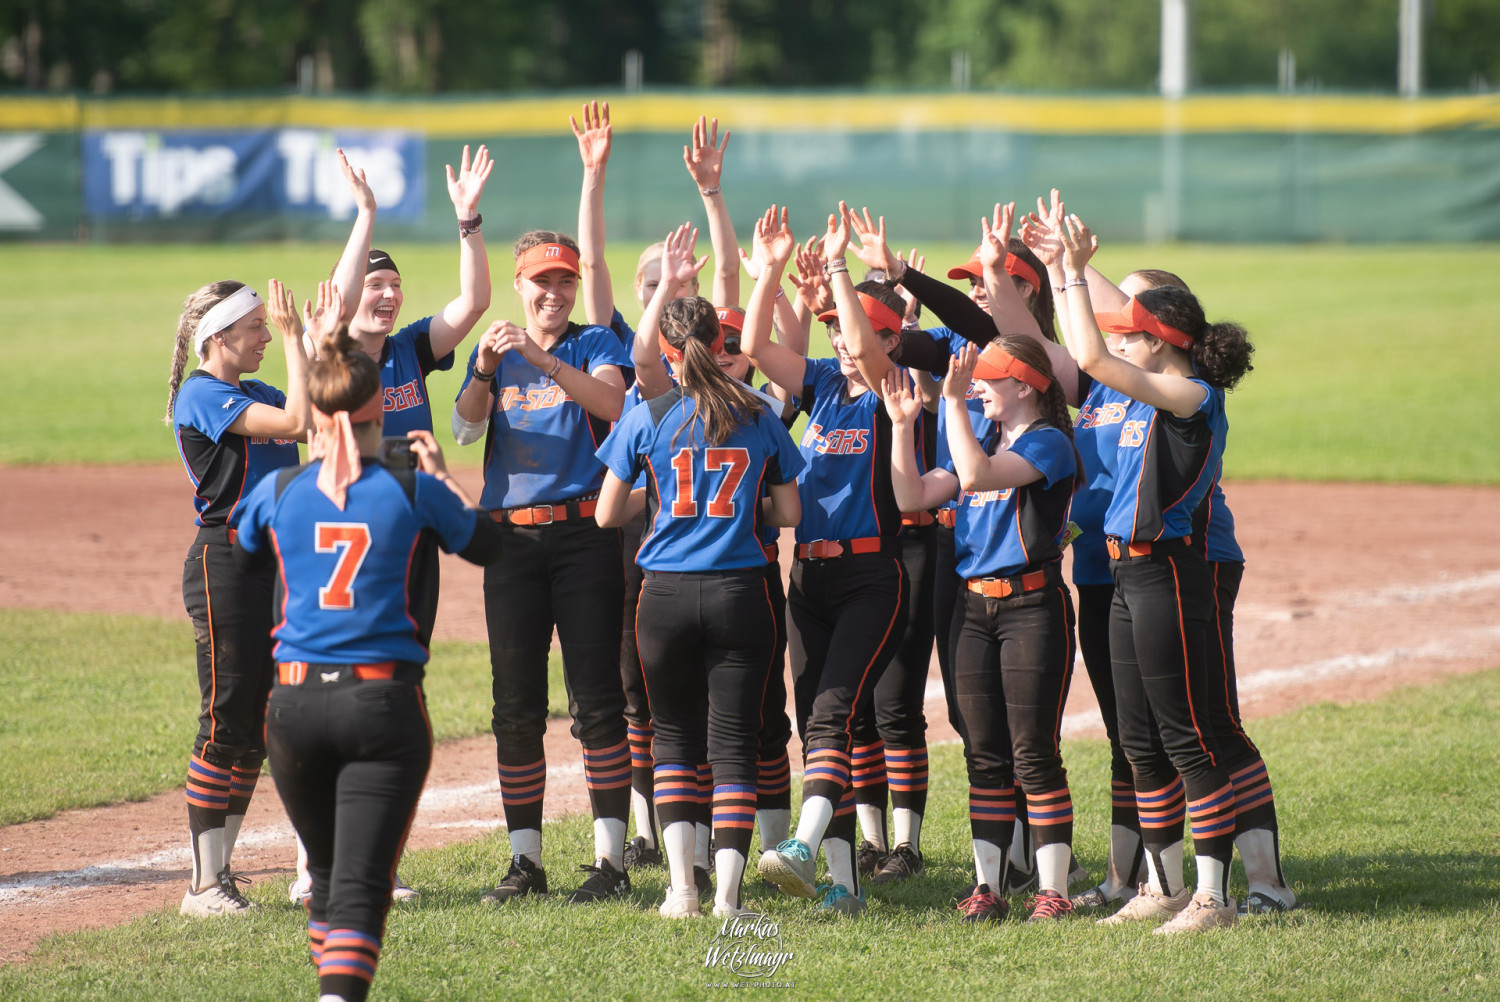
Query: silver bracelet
838, 266
705, 192
1080, 281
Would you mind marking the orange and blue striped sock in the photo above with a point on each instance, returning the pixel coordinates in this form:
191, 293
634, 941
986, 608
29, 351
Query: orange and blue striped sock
907, 772
1051, 816
1122, 805
522, 787
641, 763
773, 784
734, 817
992, 814
607, 773
676, 793
826, 775
350, 958
867, 777
1211, 818
1254, 802
317, 933
1161, 812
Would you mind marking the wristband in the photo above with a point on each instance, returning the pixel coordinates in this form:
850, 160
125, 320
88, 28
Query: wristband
838, 266
466, 227
1082, 282
556, 368
780, 292
483, 377
706, 192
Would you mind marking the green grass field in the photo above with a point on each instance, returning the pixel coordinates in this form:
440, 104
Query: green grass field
1389, 834
1372, 364
99, 709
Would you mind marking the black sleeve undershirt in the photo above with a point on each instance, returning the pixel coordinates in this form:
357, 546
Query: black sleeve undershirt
957, 311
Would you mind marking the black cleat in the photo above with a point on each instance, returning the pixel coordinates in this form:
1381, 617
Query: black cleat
704, 881
868, 857
980, 905
901, 862
524, 877
638, 853
604, 881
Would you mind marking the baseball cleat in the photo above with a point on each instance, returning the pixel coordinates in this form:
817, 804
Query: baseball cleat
703, 882
901, 862
682, 902
222, 898
403, 891
868, 857
1147, 904
1049, 906
981, 905
1019, 881
1098, 897
524, 877
790, 867
836, 898
604, 881
1259, 903
1201, 914
1077, 872
638, 853
300, 891
723, 909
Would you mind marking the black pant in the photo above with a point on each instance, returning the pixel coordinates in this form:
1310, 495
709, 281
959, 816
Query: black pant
637, 712
1012, 664
774, 787
1254, 805
947, 612
569, 574
1094, 603
349, 759
1162, 607
231, 604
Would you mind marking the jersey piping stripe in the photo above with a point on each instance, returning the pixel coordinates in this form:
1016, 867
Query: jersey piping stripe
1190, 485
1224, 652
1135, 516
1068, 644
1187, 679
244, 475
411, 555
875, 451
280, 573
885, 638
213, 654
765, 588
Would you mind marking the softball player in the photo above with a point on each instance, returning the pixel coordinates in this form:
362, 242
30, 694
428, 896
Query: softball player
1173, 367
849, 593
546, 395
231, 432
347, 727
707, 628
1013, 646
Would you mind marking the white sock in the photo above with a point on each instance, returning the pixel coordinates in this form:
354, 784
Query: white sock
232, 825
872, 824
840, 856
1020, 849
1170, 881
302, 871
774, 825
1052, 867
1124, 843
640, 809
817, 812
208, 859
1262, 865
527, 842
729, 867
989, 865
679, 839
700, 854
331, 998
1212, 878
609, 841
908, 825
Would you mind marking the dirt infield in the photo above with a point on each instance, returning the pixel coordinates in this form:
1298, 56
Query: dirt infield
1350, 590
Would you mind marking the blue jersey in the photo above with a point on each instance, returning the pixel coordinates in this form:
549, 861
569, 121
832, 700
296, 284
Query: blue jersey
344, 576
224, 466
983, 427
703, 503
1096, 433
1000, 533
1164, 465
540, 445
405, 361
846, 487
1213, 524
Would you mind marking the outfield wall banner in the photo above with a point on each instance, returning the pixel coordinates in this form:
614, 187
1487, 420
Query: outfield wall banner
1217, 168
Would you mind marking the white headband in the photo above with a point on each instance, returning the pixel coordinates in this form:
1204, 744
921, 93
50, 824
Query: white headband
225, 312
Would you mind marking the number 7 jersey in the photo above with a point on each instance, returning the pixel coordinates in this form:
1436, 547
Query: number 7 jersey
703, 502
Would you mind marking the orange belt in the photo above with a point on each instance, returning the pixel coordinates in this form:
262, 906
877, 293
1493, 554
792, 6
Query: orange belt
947, 517
295, 672
827, 549
546, 514
773, 552
917, 518
1120, 550
1006, 587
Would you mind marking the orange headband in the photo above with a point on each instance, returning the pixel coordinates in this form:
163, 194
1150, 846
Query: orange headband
333, 442
1134, 318
997, 363
675, 354
1013, 266
546, 257
882, 317
731, 318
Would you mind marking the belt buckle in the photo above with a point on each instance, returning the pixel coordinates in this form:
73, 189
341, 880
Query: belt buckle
551, 514
1001, 585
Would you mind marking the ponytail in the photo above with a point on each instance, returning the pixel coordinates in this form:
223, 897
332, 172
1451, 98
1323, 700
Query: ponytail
343, 378
193, 310
722, 404
1220, 352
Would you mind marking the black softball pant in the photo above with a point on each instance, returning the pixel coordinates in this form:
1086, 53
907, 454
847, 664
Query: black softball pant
1094, 605
774, 788
1012, 664
349, 758
569, 574
947, 612
1158, 639
847, 617
1255, 806
706, 641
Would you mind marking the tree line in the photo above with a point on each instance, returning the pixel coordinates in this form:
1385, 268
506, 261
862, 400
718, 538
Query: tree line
443, 46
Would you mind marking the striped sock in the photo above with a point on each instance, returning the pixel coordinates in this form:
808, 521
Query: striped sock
207, 792
676, 793
907, 769
1051, 816
642, 782
348, 964
1122, 805
734, 817
317, 933
1161, 812
871, 790
1211, 818
522, 787
992, 814
826, 774
1254, 803
607, 773
773, 785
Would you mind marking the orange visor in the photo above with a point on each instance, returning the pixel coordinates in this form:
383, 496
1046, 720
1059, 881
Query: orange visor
731, 318
546, 257
675, 354
997, 363
1134, 318
1013, 266
882, 317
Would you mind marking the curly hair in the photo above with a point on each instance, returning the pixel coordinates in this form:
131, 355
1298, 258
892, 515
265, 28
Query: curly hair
1220, 353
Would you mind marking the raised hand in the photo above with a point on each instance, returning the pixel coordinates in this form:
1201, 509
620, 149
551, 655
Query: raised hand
323, 320
364, 198
1079, 245
812, 287
281, 307
901, 404
429, 453
594, 137
705, 158
678, 266
960, 374
465, 188
994, 237
1044, 240
836, 240
774, 243
873, 249
919, 262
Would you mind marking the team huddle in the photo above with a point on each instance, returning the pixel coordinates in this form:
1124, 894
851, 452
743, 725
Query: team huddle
636, 481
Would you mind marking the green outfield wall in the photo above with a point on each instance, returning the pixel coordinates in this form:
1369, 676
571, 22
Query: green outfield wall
1259, 168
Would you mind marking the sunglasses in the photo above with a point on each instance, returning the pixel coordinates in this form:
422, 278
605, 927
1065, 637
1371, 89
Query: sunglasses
731, 344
